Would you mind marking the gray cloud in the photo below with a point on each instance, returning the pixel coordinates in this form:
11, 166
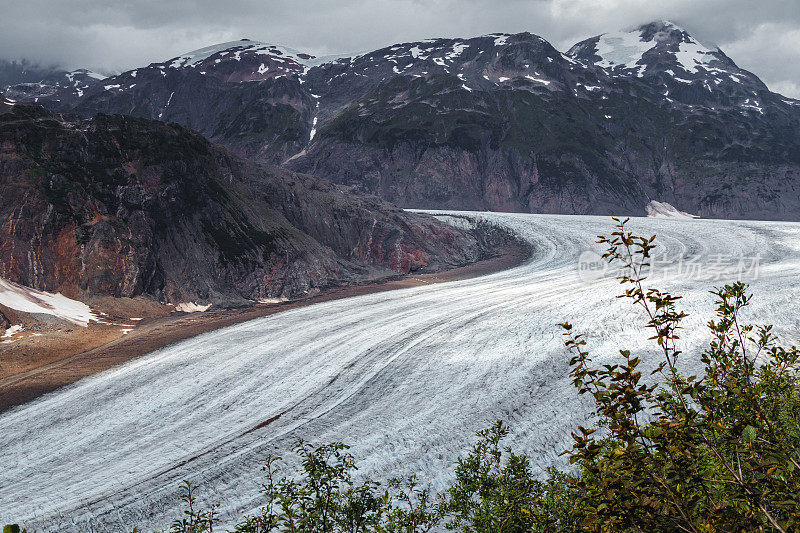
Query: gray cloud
761, 36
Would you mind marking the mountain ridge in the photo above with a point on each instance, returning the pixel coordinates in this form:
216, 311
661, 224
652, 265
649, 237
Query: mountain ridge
503, 122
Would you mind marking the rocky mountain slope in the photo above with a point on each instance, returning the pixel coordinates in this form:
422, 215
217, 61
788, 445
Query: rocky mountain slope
502, 122
124, 206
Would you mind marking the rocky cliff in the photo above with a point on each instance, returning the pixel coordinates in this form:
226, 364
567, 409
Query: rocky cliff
123, 206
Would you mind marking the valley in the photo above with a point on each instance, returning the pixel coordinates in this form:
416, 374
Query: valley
41, 357
207, 256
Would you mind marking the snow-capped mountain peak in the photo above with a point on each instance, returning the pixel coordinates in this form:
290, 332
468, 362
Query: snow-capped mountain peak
669, 58
235, 49
642, 47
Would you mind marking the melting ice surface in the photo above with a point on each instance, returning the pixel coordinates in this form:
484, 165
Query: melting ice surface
405, 377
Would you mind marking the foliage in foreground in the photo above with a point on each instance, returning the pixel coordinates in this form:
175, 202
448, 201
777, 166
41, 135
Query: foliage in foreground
719, 452
714, 453
494, 491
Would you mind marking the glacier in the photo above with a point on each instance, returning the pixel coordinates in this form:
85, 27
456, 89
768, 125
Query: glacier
405, 377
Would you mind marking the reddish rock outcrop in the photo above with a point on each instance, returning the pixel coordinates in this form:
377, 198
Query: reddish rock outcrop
121, 206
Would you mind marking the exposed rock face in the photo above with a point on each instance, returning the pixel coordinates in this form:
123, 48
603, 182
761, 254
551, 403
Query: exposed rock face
503, 122
122, 206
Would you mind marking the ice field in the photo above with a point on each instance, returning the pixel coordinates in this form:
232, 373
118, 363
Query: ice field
405, 377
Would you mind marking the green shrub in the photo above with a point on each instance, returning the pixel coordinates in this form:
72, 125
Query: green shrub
711, 453
327, 499
496, 491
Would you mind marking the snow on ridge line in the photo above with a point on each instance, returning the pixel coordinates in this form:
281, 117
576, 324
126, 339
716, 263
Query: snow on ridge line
27, 300
191, 59
664, 210
95, 75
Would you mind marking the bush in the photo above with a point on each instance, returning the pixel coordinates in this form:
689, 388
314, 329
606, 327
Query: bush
327, 499
716, 453
496, 491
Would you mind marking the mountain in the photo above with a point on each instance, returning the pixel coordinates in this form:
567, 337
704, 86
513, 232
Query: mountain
668, 57
122, 206
244, 94
454, 123
21, 80
509, 123
501, 122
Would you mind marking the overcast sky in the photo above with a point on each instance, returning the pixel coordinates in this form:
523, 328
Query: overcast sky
107, 35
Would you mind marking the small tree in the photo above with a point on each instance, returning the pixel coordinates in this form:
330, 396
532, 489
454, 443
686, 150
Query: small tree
194, 520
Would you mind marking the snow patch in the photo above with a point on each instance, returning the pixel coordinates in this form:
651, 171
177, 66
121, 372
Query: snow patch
753, 104
539, 80
691, 54
457, 50
415, 51
273, 300
501, 40
13, 330
623, 48
29, 300
191, 307
313, 130
664, 210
